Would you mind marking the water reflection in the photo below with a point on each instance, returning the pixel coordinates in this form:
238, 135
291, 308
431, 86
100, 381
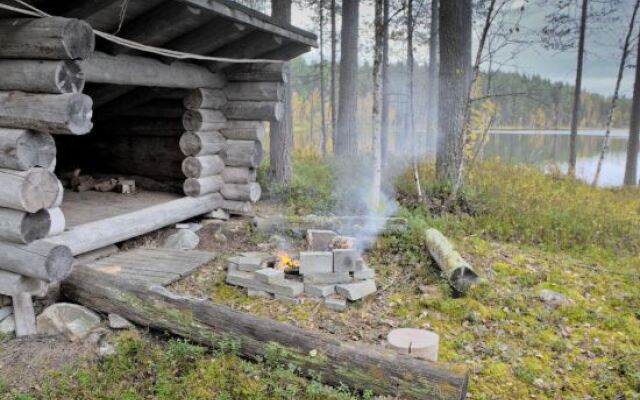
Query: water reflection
551, 148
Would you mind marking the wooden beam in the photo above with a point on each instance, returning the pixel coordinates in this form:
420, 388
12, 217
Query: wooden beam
254, 91
258, 72
212, 99
22, 227
22, 149
199, 187
95, 235
203, 120
249, 46
12, 283
334, 361
287, 52
43, 260
144, 71
29, 191
254, 110
209, 37
242, 153
250, 192
202, 166
41, 76
202, 143
243, 130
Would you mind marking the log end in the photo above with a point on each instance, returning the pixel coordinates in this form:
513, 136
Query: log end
70, 78
80, 114
35, 226
59, 263
79, 40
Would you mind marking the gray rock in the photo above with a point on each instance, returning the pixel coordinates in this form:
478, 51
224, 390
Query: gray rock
8, 325
553, 298
118, 322
335, 303
218, 214
364, 274
106, 349
347, 260
246, 264
184, 239
319, 239
331, 278
74, 321
319, 290
316, 262
357, 290
269, 275
5, 312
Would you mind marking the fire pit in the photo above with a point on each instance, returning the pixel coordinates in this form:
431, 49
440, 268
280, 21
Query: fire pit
331, 269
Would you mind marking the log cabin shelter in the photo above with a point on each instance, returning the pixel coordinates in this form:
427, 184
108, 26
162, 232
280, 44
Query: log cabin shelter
106, 135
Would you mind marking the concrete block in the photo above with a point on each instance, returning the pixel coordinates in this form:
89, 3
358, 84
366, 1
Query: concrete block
331, 278
319, 290
247, 264
319, 240
316, 262
288, 300
245, 279
335, 303
357, 290
258, 293
346, 260
364, 274
269, 275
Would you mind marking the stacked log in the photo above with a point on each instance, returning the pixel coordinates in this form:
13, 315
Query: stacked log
41, 85
222, 154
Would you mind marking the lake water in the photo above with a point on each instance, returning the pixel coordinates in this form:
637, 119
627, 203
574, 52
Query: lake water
551, 148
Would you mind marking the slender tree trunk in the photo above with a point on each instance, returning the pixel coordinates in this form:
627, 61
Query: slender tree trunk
575, 115
347, 135
415, 148
334, 82
376, 123
281, 135
454, 83
614, 99
631, 167
432, 94
384, 129
323, 123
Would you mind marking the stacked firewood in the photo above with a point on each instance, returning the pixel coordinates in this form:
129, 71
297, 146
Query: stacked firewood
40, 94
223, 136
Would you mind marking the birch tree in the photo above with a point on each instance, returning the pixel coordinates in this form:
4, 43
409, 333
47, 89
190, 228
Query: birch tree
631, 166
377, 102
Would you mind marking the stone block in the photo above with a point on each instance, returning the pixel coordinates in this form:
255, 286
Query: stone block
319, 290
316, 262
247, 264
357, 290
245, 279
319, 239
347, 260
269, 275
335, 303
331, 278
364, 274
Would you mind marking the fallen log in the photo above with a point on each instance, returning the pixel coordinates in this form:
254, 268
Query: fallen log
202, 143
457, 271
243, 130
200, 167
242, 153
50, 38
38, 76
21, 227
239, 175
254, 91
199, 187
22, 149
29, 191
254, 110
334, 361
43, 260
68, 113
212, 99
203, 120
249, 192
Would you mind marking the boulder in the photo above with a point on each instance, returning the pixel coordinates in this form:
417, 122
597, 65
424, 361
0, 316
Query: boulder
184, 239
73, 321
553, 298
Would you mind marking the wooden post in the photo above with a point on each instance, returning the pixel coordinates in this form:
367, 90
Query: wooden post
50, 38
41, 76
29, 191
203, 120
202, 143
242, 153
21, 227
198, 187
334, 361
205, 98
24, 314
250, 192
49, 262
54, 113
21, 149
200, 167
254, 110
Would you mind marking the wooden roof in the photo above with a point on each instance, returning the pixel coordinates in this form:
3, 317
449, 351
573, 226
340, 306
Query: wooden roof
210, 27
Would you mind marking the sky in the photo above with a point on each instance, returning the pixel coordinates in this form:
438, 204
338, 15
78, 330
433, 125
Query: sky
603, 44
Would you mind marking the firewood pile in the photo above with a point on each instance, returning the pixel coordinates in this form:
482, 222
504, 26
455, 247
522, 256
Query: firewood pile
331, 269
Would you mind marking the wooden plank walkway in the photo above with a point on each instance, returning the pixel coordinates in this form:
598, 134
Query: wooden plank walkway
152, 266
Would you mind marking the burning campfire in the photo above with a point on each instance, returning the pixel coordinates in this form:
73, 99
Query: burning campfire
286, 263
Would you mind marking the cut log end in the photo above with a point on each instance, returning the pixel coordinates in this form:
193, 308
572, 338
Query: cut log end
35, 226
59, 263
69, 78
80, 112
40, 190
78, 39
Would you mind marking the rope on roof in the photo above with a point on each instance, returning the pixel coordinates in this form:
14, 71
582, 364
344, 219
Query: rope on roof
179, 55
